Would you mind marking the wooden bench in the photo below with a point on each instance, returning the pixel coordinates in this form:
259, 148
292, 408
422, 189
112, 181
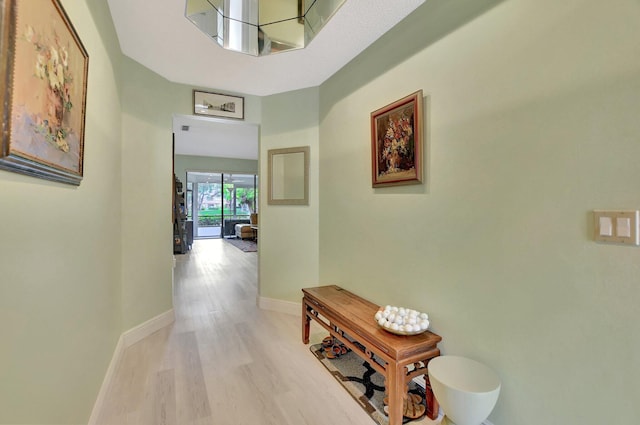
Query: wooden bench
350, 319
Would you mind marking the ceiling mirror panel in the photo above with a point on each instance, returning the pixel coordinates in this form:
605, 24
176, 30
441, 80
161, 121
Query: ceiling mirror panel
261, 27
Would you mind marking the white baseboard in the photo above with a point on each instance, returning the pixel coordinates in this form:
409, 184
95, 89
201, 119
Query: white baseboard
127, 339
287, 307
145, 329
106, 382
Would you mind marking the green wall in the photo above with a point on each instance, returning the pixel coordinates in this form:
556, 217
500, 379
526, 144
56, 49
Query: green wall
60, 257
148, 102
81, 265
531, 125
288, 249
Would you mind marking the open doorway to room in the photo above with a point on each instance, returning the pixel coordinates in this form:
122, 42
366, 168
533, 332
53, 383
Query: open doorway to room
216, 202
217, 162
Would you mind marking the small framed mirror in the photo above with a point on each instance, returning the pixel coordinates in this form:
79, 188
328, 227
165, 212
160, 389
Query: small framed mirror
289, 176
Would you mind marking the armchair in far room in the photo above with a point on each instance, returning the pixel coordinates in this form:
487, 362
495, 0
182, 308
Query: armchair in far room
244, 231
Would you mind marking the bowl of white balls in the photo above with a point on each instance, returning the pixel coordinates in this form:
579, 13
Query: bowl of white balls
402, 321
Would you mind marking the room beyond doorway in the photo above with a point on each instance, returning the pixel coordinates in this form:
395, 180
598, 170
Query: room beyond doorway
217, 201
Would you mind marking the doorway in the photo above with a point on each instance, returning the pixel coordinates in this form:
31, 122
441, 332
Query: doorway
217, 201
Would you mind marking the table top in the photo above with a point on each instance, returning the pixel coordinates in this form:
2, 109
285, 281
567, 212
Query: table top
359, 313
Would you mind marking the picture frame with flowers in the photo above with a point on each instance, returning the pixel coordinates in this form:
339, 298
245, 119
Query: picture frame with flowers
44, 70
397, 142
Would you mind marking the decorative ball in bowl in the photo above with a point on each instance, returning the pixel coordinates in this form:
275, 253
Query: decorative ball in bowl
402, 321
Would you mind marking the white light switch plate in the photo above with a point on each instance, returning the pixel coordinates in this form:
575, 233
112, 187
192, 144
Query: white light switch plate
617, 226
606, 226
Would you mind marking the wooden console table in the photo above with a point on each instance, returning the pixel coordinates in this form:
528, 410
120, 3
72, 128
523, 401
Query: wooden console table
350, 319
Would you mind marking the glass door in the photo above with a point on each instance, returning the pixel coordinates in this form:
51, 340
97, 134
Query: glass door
220, 201
206, 205
239, 196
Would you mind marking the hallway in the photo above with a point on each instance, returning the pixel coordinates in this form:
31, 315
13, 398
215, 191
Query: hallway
224, 361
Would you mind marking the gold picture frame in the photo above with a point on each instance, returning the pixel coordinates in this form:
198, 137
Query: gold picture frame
397, 142
44, 68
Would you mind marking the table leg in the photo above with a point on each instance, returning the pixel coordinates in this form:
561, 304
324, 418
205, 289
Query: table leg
432, 404
306, 322
395, 387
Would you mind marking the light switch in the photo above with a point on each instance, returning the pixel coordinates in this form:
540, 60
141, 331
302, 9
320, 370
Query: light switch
620, 227
606, 226
623, 227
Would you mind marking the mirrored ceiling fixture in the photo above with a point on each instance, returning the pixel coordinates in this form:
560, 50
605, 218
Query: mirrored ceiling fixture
261, 27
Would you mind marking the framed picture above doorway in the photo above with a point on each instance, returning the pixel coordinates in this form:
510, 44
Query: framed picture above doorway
218, 105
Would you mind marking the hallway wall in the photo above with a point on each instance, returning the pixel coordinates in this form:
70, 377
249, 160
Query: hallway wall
289, 233
60, 246
81, 265
531, 125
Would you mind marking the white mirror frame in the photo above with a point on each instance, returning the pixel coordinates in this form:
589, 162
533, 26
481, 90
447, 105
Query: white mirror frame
279, 199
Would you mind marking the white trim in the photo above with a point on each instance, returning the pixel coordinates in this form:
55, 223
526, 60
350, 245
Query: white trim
106, 382
127, 339
288, 307
145, 329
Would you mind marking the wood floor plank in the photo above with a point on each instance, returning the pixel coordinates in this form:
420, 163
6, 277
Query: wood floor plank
163, 393
224, 361
191, 401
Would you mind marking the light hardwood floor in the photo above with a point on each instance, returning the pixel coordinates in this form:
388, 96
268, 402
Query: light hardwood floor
225, 361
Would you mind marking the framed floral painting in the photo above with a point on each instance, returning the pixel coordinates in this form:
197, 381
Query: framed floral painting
43, 69
396, 142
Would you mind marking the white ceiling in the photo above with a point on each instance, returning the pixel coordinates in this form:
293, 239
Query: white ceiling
157, 35
162, 39
215, 137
